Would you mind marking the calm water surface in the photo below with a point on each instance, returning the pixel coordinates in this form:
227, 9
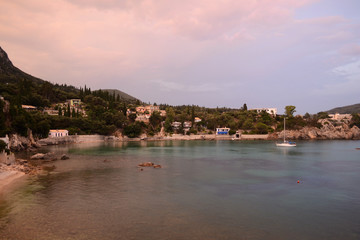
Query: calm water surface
205, 190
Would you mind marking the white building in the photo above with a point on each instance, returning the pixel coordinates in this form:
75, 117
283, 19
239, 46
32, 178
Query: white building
176, 125
340, 117
58, 133
197, 119
222, 131
271, 111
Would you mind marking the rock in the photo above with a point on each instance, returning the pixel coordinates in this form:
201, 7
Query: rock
64, 157
50, 156
41, 156
22, 161
38, 156
19, 143
111, 138
157, 166
146, 164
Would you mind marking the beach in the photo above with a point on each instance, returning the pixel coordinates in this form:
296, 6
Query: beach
7, 178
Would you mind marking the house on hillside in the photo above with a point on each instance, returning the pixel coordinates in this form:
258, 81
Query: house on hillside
176, 125
74, 102
143, 117
162, 113
51, 112
29, 108
271, 111
222, 131
58, 133
197, 119
339, 117
147, 109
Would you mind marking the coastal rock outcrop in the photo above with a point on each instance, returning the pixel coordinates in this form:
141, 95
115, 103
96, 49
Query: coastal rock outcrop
330, 130
18, 143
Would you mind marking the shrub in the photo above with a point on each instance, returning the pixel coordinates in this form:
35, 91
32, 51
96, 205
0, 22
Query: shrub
232, 132
3, 145
133, 130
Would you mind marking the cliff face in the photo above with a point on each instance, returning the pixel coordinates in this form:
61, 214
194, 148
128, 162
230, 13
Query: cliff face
5, 63
19, 143
329, 130
11, 74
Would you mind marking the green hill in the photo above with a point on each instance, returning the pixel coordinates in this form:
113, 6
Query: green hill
11, 74
14, 82
355, 108
123, 96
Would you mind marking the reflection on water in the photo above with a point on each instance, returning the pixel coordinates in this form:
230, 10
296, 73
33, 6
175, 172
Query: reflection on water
205, 190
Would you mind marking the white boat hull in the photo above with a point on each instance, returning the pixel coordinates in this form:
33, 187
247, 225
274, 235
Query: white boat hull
286, 144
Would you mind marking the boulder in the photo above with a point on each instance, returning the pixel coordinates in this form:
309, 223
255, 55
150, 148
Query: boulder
64, 157
146, 164
38, 156
44, 156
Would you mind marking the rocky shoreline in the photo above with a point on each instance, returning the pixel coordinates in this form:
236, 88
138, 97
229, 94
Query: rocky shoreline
40, 162
328, 131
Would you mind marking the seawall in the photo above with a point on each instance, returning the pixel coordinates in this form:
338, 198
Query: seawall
71, 139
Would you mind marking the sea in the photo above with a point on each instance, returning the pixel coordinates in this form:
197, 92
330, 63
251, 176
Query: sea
204, 190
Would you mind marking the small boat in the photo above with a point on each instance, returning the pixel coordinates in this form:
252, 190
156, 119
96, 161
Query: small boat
286, 143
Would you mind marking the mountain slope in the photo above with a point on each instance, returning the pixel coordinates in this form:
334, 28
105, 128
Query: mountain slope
355, 108
11, 74
123, 96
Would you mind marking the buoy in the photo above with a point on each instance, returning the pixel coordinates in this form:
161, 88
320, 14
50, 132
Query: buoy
298, 181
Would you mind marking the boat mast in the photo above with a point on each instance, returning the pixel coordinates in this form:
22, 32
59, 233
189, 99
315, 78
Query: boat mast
284, 130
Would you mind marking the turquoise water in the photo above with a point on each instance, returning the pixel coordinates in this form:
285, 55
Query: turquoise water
205, 190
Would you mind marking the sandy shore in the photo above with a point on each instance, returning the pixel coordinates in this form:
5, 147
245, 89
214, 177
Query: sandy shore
8, 177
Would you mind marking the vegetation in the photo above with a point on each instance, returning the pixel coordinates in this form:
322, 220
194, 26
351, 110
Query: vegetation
107, 111
2, 146
355, 108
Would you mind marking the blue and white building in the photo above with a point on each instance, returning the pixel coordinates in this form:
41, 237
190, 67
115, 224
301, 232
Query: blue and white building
222, 131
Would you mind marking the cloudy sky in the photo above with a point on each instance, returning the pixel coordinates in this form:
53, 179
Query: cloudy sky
266, 53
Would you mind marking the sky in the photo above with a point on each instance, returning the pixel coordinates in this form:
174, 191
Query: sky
265, 53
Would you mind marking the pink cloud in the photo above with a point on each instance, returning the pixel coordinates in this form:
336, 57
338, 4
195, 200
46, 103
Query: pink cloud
351, 50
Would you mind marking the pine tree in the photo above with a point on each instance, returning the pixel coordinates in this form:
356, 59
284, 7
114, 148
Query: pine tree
68, 110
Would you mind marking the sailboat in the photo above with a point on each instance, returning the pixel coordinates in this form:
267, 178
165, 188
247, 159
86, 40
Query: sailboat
286, 143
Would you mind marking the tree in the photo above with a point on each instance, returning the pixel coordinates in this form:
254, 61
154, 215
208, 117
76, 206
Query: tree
307, 116
68, 111
289, 111
322, 115
244, 108
3, 145
133, 130
261, 128
355, 120
132, 117
170, 116
155, 119
248, 124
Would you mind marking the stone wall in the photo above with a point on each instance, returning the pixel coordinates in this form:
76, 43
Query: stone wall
71, 139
